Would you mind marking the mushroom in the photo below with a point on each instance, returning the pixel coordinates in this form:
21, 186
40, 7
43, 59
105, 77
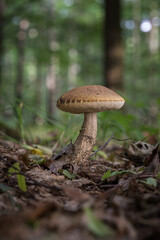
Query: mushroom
88, 100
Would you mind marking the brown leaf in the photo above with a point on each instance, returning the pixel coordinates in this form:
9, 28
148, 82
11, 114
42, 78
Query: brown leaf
76, 194
56, 166
137, 152
42, 209
154, 166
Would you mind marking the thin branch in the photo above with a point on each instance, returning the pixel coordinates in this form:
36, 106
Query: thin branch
106, 143
121, 140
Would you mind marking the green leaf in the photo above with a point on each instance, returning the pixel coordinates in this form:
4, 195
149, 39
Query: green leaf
96, 226
102, 154
38, 160
158, 175
68, 174
150, 181
20, 178
106, 175
13, 169
5, 188
22, 182
109, 174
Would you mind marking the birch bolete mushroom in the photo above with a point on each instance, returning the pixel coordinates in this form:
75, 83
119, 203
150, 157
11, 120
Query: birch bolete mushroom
88, 100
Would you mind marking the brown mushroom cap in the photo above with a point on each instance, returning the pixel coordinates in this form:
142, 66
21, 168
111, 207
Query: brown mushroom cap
89, 99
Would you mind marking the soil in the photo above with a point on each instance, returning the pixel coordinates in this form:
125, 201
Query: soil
115, 197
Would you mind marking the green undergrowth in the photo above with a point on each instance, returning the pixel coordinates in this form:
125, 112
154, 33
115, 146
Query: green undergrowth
64, 127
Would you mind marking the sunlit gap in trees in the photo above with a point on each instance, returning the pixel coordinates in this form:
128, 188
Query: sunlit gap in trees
145, 25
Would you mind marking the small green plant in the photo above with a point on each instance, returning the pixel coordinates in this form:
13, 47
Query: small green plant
150, 181
109, 174
20, 178
5, 188
68, 174
20, 119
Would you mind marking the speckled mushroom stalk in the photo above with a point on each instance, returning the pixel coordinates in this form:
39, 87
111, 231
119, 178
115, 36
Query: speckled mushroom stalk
87, 137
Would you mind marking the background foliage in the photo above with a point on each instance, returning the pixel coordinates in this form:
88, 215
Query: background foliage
48, 47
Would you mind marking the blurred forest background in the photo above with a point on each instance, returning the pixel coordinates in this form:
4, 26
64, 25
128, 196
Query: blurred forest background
48, 47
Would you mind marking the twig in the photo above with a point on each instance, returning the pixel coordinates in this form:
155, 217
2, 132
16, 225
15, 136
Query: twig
121, 140
106, 143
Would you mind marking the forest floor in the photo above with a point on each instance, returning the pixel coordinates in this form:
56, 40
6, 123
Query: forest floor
117, 198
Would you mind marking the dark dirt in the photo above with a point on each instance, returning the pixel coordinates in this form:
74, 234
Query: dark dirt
68, 202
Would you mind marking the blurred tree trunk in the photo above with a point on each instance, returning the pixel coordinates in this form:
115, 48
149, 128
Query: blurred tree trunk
38, 86
113, 65
154, 33
51, 87
20, 65
2, 21
136, 9
51, 76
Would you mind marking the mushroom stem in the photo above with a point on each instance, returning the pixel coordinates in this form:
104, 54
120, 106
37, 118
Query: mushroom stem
86, 139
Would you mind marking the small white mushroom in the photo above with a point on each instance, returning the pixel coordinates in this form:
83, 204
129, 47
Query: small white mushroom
88, 100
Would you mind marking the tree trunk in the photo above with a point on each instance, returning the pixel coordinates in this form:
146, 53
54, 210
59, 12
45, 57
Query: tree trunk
113, 65
51, 87
20, 65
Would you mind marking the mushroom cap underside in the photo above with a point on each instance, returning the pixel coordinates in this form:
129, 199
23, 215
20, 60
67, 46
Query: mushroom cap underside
89, 99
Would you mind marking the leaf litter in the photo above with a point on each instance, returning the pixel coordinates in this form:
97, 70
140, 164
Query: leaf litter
117, 198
